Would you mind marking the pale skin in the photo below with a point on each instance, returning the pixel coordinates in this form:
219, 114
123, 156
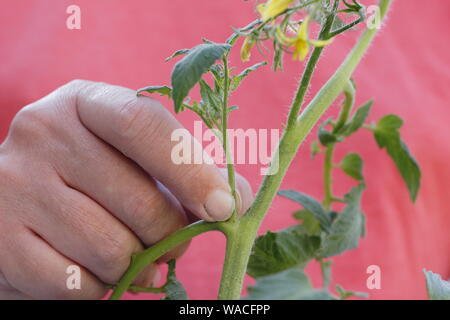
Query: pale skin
86, 179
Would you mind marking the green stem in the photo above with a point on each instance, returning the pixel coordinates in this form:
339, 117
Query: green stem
349, 101
309, 70
226, 145
240, 247
136, 289
141, 260
327, 176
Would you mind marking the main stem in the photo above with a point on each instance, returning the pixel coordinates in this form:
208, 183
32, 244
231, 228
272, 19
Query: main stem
239, 246
327, 177
226, 144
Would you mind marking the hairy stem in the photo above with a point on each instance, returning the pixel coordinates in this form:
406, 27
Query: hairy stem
142, 259
309, 70
225, 138
327, 176
294, 135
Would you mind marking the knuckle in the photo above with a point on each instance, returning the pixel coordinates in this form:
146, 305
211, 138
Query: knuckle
29, 120
75, 86
114, 254
154, 216
144, 206
137, 122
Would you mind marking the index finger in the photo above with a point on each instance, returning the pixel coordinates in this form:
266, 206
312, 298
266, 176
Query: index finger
141, 129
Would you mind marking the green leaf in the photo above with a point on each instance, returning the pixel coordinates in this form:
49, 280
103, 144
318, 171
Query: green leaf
291, 284
277, 251
437, 288
310, 204
347, 228
358, 119
188, 71
387, 136
178, 53
309, 222
162, 90
173, 288
352, 164
344, 294
210, 98
236, 81
326, 137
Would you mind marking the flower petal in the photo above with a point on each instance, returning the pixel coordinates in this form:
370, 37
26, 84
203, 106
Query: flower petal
302, 32
287, 41
301, 50
272, 8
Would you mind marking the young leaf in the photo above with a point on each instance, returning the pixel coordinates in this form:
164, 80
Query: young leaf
352, 164
210, 98
188, 71
347, 228
178, 53
162, 90
437, 288
277, 251
310, 204
309, 222
358, 119
238, 79
344, 294
173, 288
291, 284
326, 137
387, 136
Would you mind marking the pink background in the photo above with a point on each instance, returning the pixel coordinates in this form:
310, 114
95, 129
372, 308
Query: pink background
406, 72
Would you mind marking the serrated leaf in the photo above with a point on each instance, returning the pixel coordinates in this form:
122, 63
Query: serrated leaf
236, 81
277, 251
437, 288
345, 294
178, 53
311, 204
210, 98
358, 119
309, 222
162, 90
189, 71
387, 136
173, 288
352, 165
347, 228
291, 284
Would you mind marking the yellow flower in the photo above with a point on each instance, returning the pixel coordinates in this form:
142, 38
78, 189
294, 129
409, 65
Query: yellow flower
248, 44
272, 8
301, 42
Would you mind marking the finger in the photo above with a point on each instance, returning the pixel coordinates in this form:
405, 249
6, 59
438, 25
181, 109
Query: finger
244, 191
149, 277
141, 129
120, 186
83, 231
7, 292
37, 270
